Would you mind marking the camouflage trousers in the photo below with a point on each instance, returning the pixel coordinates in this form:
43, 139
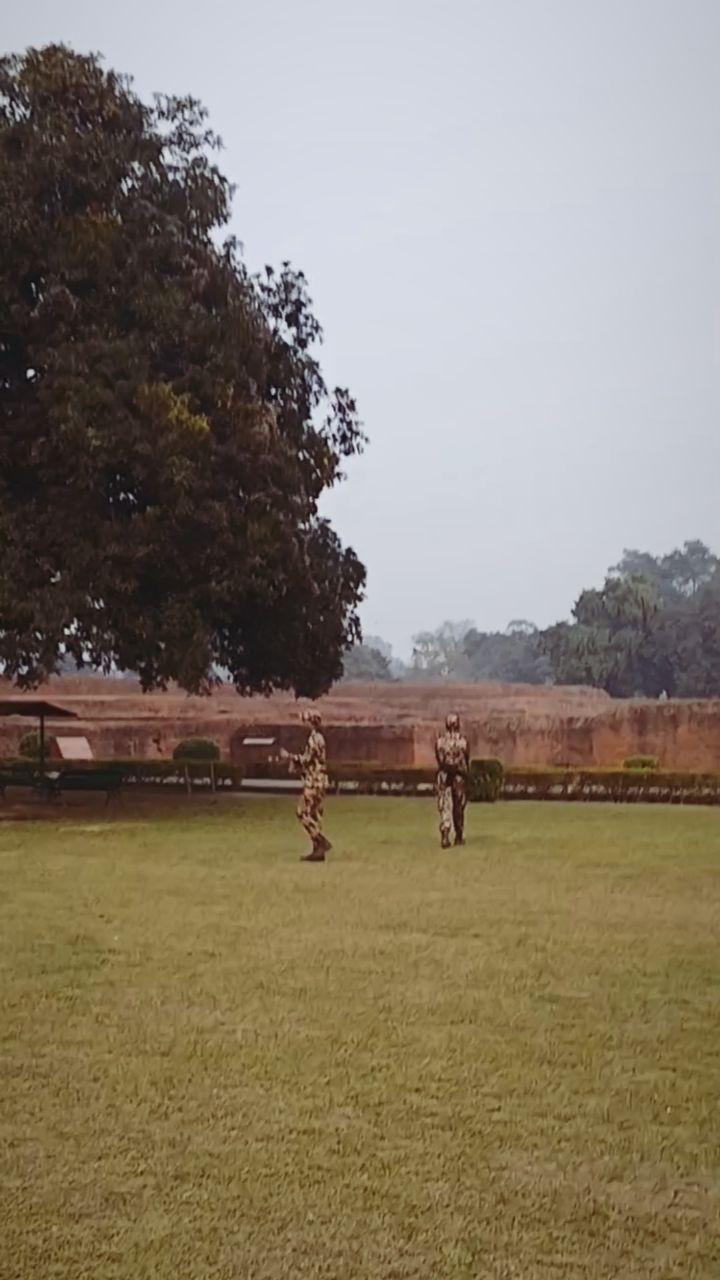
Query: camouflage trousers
310, 806
451, 798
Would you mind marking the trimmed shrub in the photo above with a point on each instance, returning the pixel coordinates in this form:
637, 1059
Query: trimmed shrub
641, 762
196, 749
23, 766
485, 781
29, 746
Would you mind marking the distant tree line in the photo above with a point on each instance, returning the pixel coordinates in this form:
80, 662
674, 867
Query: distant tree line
653, 628
456, 652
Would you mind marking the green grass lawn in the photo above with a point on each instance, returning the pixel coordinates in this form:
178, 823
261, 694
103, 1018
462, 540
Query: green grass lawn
500, 1062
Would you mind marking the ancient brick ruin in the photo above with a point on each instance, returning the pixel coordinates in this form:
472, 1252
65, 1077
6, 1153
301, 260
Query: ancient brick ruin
395, 724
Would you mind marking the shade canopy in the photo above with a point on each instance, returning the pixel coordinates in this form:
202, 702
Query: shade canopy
36, 708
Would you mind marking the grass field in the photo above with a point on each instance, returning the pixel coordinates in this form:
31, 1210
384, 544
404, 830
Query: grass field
497, 1062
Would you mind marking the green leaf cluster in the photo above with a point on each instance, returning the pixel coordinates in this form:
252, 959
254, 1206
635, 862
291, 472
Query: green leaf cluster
166, 432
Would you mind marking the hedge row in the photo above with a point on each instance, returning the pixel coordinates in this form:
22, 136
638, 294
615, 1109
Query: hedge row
484, 782
488, 780
618, 785
138, 772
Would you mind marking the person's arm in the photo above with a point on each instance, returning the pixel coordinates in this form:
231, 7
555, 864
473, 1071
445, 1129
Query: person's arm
297, 759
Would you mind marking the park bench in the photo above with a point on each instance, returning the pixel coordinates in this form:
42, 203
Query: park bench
17, 778
108, 781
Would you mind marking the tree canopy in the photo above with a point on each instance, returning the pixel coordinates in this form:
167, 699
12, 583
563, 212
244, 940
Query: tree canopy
654, 626
165, 428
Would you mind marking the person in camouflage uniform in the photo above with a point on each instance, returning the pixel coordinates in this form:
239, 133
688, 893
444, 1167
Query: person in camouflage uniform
313, 762
453, 760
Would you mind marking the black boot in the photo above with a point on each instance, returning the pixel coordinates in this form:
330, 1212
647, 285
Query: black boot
318, 851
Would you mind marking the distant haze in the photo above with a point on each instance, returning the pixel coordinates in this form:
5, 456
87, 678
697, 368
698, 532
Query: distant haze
509, 215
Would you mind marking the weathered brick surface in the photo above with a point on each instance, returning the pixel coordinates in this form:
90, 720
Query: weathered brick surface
396, 724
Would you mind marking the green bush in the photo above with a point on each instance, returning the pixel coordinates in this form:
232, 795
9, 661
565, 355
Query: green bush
29, 747
196, 749
641, 762
485, 782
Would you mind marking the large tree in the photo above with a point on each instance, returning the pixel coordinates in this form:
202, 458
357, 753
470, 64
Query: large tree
165, 429
610, 642
654, 626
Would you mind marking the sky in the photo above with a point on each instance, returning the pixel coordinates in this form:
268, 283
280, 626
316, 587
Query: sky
508, 212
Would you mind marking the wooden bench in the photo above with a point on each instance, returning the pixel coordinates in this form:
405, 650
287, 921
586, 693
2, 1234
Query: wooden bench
83, 780
17, 778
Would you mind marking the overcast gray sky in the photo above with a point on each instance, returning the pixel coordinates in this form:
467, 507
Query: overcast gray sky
509, 215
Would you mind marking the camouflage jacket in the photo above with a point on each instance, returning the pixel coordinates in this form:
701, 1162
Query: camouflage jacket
313, 760
452, 753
